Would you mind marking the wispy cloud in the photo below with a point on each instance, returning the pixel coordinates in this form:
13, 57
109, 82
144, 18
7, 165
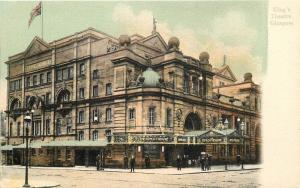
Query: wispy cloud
226, 34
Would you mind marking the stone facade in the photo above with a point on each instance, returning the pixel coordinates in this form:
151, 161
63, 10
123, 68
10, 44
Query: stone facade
90, 84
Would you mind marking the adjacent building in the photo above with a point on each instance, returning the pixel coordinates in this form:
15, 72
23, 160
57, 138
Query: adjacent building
92, 93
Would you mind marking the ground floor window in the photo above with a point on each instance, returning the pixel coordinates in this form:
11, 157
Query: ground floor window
153, 151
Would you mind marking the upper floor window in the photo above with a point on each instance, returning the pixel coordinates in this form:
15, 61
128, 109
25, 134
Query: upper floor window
34, 80
151, 115
82, 69
81, 117
132, 113
47, 126
95, 116
42, 78
95, 135
80, 135
69, 125
186, 83
95, 90
48, 98
28, 81
58, 127
59, 75
49, 77
108, 114
169, 117
18, 129
95, 74
81, 93
108, 89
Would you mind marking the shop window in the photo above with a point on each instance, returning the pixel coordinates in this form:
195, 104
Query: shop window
58, 153
68, 154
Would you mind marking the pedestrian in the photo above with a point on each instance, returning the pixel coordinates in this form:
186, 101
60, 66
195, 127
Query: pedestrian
147, 161
206, 162
209, 161
101, 161
132, 163
98, 162
125, 162
178, 162
202, 161
238, 160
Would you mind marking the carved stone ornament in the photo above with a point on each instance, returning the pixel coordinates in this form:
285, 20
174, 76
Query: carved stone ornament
179, 114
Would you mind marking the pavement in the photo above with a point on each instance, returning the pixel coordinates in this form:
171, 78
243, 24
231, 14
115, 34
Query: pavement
9, 181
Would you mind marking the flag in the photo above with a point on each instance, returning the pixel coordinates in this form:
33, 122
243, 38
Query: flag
36, 11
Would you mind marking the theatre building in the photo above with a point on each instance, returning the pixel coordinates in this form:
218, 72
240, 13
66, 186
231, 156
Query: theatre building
133, 95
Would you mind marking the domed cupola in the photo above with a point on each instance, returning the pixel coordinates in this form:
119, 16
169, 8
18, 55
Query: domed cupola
149, 78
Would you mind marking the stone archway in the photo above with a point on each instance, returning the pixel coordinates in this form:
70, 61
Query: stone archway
192, 122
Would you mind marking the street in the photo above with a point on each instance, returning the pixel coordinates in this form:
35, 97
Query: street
12, 177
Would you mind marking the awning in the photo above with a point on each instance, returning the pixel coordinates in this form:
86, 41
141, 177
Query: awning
30, 145
76, 143
6, 147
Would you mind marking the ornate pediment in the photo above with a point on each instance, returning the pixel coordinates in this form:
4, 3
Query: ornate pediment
155, 41
36, 46
212, 133
227, 72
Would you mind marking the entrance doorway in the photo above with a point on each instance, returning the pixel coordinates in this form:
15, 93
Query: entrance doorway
169, 150
79, 157
193, 152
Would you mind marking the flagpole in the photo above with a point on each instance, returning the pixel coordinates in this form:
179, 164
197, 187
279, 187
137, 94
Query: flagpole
42, 19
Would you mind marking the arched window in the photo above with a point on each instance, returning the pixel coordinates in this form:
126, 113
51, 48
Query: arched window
192, 122
16, 104
63, 96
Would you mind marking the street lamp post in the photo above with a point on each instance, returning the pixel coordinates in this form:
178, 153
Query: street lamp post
27, 119
226, 145
242, 129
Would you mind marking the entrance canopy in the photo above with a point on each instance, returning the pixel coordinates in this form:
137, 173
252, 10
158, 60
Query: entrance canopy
76, 143
6, 147
30, 145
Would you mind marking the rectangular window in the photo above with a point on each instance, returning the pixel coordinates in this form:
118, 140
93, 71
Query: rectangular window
47, 126
169, 117
58, 126
81, 93
49, 77
95, 90
59, 75
82, 69
28, 81
108, 89
108, 114
151, 115
132, 113
81, 135
68, 154
81, 117
71, 72
95, 74
95, 116
95, 135
35, 80
48, 98
18, 128
65, 73
42, 78
186, 84
69, 125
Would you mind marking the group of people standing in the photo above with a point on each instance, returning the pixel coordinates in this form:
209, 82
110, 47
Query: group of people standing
204, 161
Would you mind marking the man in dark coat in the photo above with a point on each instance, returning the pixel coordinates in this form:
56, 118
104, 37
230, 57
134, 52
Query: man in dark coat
238, 159
147, 161
98, 161
178, 162
132, 163
125, 161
